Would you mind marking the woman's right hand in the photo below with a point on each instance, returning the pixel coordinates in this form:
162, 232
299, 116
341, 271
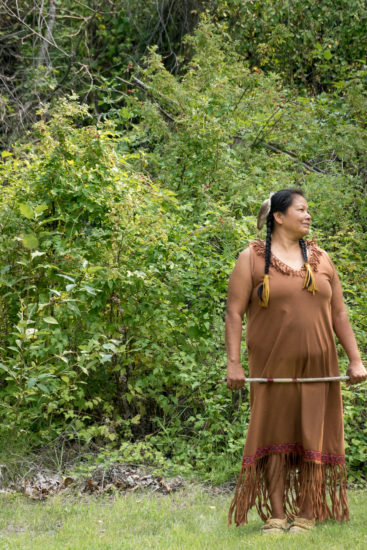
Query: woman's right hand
235, 376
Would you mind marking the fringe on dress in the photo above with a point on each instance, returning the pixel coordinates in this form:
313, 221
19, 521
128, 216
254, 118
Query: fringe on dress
302, 478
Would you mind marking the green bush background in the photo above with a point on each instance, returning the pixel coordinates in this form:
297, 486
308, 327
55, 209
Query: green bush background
119, 232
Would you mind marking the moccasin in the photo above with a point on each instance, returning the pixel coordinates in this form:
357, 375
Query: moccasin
300, 525
275, 526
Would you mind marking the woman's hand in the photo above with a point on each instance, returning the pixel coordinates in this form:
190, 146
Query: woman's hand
235, 376
356, 372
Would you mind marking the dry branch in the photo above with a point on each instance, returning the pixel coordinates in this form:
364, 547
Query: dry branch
33, 31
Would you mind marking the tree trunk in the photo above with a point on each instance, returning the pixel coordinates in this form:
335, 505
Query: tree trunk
42, 58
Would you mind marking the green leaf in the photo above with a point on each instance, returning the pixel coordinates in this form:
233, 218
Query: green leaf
136, 419
57, 292
327, 55
37, 253
27, 211
31, 382
89, 289
340, 84
125, 113
50, 320
43, 388
109, 346
30, 241
40, 208
66, 277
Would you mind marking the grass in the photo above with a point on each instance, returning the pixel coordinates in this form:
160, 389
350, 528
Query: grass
191, 519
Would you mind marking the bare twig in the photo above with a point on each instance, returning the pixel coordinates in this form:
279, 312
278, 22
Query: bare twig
71, 59
36, 33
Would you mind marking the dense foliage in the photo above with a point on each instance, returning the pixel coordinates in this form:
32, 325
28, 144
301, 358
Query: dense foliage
53, 48
118, 237
312, 44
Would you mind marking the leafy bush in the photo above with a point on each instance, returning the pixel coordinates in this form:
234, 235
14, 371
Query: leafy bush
118, 239
225, 136
105, 295
313, 45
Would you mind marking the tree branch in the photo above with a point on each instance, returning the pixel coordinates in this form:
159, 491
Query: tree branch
262, 129
148, 91
36, 33
277, 149
71, 58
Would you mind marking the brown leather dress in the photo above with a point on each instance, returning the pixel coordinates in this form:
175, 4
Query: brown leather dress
300, 423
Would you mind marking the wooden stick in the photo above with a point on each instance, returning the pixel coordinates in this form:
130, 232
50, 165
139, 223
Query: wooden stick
287, 380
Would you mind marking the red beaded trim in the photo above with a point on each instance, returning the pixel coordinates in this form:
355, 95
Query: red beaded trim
297, 448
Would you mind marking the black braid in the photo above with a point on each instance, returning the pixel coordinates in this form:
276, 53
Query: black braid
263, 290
304, 250
269, 230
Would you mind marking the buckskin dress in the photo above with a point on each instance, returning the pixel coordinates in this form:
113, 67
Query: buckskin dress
300, 423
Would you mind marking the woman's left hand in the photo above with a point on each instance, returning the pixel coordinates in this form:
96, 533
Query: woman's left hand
356, 372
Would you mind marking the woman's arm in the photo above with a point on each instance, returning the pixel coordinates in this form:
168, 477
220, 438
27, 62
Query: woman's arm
345, 334
239, 292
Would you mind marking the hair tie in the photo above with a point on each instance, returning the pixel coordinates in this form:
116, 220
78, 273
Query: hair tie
263, 292
264, 211
309, 282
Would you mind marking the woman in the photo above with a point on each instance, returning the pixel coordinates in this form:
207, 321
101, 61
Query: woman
292, 297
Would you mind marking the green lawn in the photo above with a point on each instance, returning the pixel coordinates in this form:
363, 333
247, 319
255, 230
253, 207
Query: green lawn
186, 520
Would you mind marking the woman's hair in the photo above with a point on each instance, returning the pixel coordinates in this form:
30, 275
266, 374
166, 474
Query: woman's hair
280, 202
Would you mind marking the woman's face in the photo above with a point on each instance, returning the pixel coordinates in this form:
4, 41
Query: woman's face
296, 220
